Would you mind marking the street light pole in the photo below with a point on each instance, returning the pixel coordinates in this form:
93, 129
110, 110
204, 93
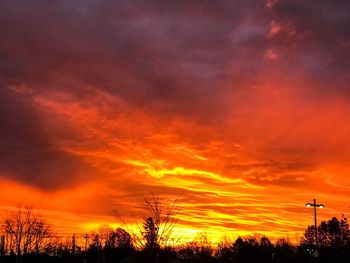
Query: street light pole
316, 239
315, 205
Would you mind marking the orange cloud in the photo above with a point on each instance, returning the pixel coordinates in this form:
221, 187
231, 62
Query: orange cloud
243, 112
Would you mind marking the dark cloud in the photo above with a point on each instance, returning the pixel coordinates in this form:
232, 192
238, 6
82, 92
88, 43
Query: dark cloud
314, 40
168, 58
174, 56
27, 148
188, 59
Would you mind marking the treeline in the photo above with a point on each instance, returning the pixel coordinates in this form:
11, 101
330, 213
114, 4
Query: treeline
27, 237
119, 248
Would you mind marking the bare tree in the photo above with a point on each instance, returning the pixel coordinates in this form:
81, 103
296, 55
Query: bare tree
107, 235
114, 238
163, 216
26, 232
123, 238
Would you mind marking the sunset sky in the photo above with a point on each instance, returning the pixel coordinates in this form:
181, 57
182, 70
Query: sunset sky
242, 108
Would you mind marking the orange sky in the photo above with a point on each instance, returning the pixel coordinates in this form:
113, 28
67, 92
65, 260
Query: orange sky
241, 109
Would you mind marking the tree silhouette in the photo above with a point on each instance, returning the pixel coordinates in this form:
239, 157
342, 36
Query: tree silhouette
164, 217
309, 237
107, 235
163, 214
150, 234
123, 238
332, 233
26, 232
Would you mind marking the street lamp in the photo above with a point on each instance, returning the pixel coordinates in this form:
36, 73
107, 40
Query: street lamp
315, 205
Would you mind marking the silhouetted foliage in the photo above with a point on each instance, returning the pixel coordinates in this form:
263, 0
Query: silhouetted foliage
252, 249
150, 234
123, 239
333, 240
284, 252
26, 232
163, 214
196, 252
109, 245
333, 233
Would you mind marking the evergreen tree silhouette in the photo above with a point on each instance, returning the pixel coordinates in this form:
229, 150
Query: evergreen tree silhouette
150, 234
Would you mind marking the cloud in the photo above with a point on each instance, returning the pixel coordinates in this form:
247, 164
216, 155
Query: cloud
28, 150
314, 37
168, 59
243, 100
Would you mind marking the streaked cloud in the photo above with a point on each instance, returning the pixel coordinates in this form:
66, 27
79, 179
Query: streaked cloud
239, 107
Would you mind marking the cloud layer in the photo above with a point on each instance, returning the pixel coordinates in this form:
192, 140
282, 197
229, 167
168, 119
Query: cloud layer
229, 104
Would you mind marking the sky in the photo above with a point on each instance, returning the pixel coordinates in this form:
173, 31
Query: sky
238, 108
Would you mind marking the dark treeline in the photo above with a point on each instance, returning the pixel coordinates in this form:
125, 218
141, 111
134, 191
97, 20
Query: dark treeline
116, 245
26, 237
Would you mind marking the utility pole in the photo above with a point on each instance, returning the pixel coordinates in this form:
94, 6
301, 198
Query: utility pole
73, 244
86, 237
